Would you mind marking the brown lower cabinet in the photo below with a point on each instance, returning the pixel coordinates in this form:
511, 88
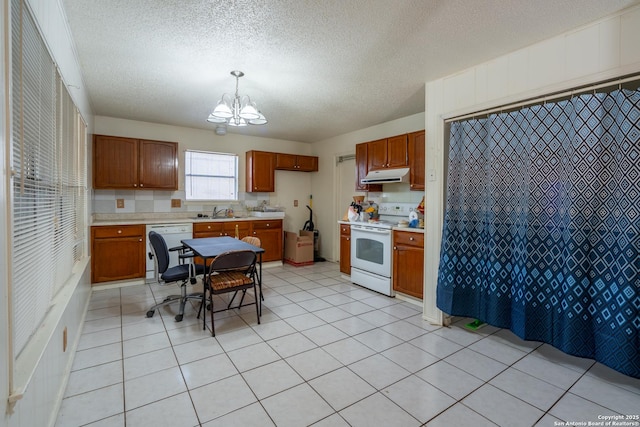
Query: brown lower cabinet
268, 231
270, 234
117, 253
220, 228
408, 263
345, 249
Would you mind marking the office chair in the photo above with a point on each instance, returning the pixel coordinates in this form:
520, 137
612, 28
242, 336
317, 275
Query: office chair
183, 273
231, 271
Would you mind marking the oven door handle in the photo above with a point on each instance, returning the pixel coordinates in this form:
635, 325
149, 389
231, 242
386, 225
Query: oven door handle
370, 230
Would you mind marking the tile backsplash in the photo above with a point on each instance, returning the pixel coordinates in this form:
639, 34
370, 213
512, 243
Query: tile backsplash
147, 201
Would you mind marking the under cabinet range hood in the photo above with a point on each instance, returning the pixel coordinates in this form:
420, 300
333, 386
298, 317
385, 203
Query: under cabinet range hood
386, 176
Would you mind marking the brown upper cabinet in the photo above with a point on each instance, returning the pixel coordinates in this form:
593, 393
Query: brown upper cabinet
260, 171
261, 167
362, 162
388, 153
129, 163
416, 160
293, 162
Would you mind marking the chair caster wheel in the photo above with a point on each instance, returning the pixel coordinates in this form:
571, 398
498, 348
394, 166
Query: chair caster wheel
209, 307
193, 281
150, 313
179, 318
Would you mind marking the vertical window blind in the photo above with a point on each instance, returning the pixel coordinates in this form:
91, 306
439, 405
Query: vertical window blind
48, 168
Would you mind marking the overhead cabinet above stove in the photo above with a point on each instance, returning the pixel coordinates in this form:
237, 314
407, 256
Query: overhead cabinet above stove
388, 153
393, 153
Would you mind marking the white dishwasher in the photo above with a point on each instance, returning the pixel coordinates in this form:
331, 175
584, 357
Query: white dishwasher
173, 234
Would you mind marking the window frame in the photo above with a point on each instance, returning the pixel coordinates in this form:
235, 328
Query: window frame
188, 177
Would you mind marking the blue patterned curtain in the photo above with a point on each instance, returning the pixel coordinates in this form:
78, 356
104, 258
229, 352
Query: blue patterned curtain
542, 225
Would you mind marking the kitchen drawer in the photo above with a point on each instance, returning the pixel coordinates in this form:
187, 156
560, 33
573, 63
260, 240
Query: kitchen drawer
105, 232
266, 225
408, 238
207, 227
345, 229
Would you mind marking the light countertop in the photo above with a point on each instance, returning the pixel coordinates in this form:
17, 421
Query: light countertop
155, 218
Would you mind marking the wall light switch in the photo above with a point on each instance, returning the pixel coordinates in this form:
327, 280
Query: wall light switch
176, 203
295, 203
119, 203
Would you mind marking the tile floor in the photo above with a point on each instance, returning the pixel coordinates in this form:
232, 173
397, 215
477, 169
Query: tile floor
327, 353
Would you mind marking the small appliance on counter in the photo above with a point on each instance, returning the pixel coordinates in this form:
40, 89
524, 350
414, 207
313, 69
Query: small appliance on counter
355, 209
361, 211
413, 219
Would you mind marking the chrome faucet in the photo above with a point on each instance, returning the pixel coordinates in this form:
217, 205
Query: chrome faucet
217, 212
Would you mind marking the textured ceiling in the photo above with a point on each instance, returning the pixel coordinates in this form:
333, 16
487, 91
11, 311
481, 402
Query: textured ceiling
316, 68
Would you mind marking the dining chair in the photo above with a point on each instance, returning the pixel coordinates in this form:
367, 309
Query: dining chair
185, 272
255, 241
231, 271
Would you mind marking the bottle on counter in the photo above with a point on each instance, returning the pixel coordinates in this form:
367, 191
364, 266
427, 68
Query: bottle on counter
237, 232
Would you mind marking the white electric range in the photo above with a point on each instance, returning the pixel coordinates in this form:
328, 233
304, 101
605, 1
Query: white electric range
371, 247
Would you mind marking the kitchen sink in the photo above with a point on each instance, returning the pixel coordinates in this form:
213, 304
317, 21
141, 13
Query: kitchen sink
258, 214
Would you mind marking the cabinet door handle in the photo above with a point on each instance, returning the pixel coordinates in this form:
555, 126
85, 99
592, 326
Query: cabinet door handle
395, 248
411, 238
119, 231
135, 185
141, 185
208, 227
348, 238
254, 232
139, 240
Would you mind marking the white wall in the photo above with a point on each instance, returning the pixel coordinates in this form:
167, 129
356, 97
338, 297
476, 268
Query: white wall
289, 185
38, 406
605, 49
323, 183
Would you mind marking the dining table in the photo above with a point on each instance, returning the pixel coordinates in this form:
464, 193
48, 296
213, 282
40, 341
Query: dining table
210, 247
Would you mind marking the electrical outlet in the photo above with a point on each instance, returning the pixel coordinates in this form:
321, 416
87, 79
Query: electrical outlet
119, 203
295, 203
176, 203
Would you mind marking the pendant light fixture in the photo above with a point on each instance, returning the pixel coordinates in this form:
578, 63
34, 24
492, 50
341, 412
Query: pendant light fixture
236, 110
